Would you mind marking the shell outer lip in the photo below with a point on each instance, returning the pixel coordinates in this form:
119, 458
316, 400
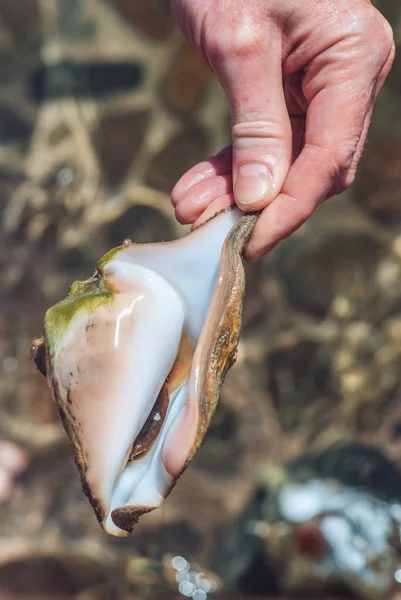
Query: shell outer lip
217, 346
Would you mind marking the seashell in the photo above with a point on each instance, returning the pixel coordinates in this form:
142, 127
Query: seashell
135, 358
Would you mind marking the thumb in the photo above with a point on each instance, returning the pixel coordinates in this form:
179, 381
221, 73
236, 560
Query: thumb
251, 76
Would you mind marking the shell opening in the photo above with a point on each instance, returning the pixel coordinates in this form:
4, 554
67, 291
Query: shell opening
153, 424
145, 479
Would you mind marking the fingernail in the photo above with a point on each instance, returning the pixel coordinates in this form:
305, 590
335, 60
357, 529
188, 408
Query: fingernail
254, 182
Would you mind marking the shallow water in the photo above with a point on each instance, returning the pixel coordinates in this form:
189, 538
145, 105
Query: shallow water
102, 108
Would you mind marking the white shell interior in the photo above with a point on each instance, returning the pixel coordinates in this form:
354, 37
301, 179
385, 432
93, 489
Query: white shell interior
190, 264
115, 360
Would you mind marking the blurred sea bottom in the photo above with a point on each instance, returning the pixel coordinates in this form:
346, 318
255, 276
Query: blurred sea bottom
296, 490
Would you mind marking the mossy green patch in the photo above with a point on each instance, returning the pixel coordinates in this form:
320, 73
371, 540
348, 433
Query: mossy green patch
84, 296
107, 257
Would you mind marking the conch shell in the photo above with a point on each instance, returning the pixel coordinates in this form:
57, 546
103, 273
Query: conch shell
135, 358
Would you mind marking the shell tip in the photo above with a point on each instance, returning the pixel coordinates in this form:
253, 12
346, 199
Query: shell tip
38, 353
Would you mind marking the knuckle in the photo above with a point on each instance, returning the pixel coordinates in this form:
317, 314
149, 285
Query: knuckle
377, 37
344, 181
232, 37
337, 159
392, 51
369, 38
386, 33
343, 157
245, 40
230, 44
260, 129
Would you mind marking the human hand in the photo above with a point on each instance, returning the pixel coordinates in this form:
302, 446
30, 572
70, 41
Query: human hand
301, 78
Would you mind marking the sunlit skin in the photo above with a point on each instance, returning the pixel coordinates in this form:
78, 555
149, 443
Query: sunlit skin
301, 78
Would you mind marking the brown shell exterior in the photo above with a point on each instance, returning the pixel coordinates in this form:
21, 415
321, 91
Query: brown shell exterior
69, 424
40, 356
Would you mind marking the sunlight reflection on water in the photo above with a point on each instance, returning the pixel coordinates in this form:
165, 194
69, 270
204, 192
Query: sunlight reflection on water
192, 584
